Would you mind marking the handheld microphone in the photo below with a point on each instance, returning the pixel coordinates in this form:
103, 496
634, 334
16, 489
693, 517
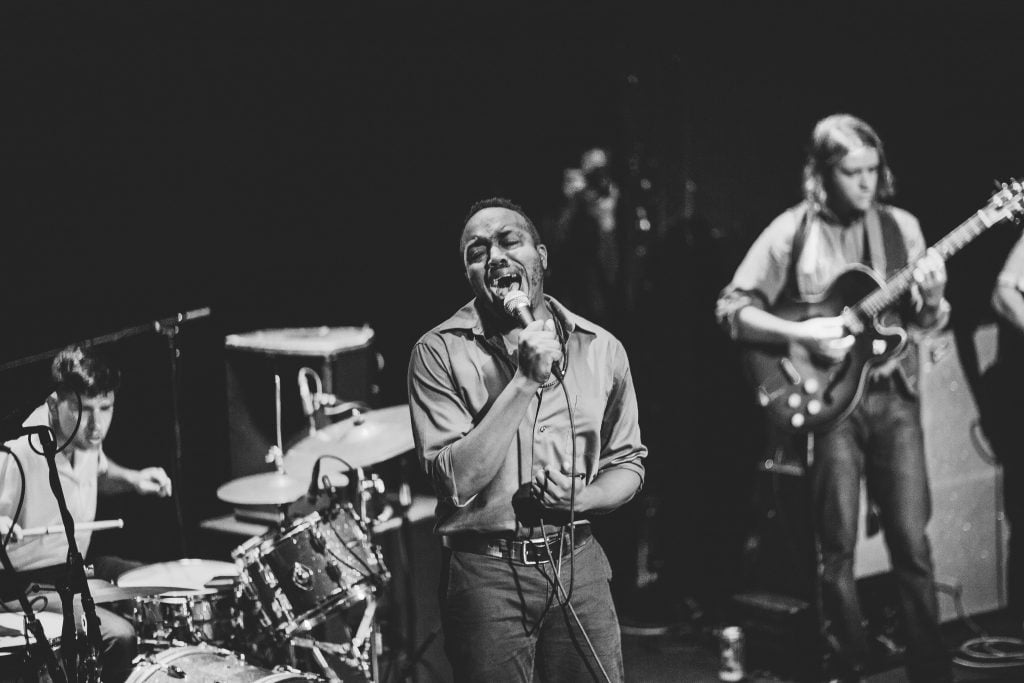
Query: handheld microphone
517, 305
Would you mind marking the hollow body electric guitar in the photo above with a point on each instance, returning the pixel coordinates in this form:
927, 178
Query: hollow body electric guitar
804, 393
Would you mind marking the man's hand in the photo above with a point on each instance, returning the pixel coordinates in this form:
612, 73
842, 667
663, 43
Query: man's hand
152, 481
538, 350
825, 337
930, 277
5, 525
553, 489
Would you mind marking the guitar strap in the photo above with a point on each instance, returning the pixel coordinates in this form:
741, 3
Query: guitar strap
885, 247
799, 238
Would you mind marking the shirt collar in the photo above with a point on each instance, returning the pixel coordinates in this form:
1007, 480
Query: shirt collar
471, 318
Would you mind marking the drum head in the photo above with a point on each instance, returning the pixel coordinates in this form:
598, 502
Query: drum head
187, 574
12, 629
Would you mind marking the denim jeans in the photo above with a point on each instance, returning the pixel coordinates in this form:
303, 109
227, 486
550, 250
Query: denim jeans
502, 620
883, 441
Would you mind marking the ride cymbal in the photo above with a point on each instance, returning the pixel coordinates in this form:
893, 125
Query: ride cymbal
363, 440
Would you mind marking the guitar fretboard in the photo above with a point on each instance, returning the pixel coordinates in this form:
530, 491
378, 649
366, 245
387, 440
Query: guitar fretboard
898, 284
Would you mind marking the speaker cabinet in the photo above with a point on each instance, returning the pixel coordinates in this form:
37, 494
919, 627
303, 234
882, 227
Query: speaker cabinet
342, 357
967, 530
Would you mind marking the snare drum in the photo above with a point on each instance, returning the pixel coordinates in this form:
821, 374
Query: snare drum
193, 663
19, 658
197, 617
296, 577
196, 614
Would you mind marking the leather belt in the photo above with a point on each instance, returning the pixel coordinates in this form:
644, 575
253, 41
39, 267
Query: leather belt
881, 382
525, 551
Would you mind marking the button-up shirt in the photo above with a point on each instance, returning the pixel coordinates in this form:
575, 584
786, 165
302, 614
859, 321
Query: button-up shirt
456, 372
78, 470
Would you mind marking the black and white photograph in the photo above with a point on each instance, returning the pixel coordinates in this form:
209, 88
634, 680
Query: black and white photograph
462, 342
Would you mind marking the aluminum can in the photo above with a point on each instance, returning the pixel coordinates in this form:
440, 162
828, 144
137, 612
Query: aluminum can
730, 641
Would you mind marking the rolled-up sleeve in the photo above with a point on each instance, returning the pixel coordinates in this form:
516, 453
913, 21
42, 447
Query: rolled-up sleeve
762, 274
622, 447
439, 416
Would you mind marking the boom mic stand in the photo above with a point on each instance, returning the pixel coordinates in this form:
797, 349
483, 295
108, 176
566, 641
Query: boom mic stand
42, 643
75, 582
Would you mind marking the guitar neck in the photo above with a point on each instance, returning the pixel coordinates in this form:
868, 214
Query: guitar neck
898, 284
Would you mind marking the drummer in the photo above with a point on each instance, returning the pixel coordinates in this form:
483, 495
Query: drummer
84, 469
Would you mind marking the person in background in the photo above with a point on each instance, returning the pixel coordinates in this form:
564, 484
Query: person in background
844, 220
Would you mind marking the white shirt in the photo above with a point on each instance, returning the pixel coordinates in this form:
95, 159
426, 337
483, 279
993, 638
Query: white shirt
78, 470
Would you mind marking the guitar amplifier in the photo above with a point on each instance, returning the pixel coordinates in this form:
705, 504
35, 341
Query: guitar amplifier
967, 529
342, 357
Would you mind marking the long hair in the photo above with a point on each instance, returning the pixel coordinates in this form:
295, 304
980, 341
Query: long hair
833, 138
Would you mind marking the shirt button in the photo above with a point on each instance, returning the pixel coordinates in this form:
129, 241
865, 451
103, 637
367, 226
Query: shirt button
544, 429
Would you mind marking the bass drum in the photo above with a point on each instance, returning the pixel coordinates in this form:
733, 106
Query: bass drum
198, 663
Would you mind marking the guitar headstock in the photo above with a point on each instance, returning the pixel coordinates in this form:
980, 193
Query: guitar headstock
1006, 203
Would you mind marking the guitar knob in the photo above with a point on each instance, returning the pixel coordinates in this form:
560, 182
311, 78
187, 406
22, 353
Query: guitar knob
814, 406
878, 347
797, 420
811, 386
793, 401
763, 398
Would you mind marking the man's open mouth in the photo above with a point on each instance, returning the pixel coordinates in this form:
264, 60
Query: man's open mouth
503, 283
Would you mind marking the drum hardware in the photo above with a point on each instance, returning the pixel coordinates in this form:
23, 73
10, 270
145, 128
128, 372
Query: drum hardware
313, 399
268, 488
21, 657
360, 653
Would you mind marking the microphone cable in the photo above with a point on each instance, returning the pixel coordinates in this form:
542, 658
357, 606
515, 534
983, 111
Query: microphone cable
21, 495
565, 599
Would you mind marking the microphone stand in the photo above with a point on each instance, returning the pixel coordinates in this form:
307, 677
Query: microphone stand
74, 582
169, 328
34, 626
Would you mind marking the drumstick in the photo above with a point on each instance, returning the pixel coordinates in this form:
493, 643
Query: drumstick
79, 526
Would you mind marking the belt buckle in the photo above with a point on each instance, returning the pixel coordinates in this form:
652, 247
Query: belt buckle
532, 542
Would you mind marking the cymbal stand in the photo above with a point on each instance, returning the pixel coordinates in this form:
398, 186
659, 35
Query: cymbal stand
362, 652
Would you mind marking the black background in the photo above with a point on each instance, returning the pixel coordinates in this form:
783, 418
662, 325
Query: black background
293, 164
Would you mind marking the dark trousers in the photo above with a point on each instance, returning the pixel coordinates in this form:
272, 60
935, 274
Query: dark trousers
882, 440
502, 620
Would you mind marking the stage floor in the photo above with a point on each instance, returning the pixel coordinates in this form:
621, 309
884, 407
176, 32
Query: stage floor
693, 658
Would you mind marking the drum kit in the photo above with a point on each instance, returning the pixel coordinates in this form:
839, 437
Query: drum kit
271, 613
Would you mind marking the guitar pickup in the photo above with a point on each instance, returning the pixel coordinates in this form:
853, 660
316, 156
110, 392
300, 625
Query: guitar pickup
790, 371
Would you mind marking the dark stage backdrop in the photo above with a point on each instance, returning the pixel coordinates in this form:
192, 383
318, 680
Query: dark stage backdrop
293, 164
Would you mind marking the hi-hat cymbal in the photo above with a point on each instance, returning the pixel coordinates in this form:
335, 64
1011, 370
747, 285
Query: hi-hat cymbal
362, 440
102, 592
268, 488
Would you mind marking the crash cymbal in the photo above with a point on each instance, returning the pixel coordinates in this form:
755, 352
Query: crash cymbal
362, 440
268, 488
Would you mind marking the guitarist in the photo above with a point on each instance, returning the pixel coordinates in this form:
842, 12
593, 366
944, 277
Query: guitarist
840, 222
